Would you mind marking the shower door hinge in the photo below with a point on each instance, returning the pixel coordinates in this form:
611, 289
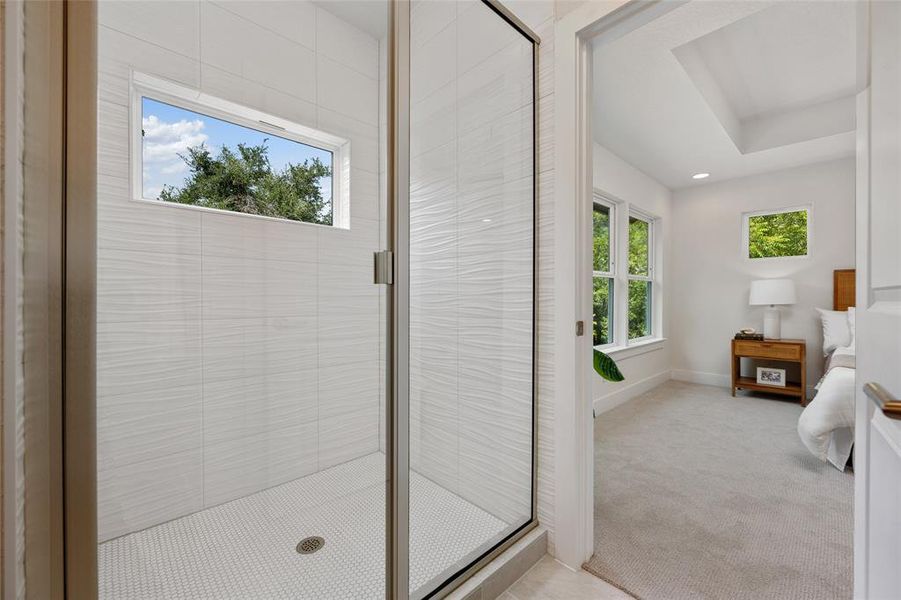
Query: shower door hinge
580, 328
383, 267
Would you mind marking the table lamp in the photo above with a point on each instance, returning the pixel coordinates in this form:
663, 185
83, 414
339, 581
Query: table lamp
772, 293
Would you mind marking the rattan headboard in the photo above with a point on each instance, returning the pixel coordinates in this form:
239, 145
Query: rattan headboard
843, 289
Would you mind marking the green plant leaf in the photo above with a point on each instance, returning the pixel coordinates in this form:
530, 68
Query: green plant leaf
606, 367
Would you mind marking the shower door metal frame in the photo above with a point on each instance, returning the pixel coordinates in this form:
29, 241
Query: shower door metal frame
58, 274
80, 294
57, 267
397, 404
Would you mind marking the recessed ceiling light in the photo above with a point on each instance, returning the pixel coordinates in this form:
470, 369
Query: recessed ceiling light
700, 176
486, 220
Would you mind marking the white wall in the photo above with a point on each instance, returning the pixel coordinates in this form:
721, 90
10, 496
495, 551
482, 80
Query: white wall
651, 366
711, 278
234, 353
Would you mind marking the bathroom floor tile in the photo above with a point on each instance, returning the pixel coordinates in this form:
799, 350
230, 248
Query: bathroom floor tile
551, 580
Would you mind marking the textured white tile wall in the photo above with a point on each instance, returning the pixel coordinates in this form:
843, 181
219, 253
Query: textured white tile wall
541, 19
234, 353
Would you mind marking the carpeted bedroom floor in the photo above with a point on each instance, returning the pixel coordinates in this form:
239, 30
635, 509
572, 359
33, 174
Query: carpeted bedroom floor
701, 495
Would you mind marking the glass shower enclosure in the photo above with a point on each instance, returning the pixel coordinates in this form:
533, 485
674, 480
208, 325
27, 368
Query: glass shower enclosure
316, 256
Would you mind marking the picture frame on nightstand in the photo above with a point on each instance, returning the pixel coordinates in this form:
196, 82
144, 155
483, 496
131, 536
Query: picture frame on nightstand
771, 376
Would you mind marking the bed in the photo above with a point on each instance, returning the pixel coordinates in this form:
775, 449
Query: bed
826, 425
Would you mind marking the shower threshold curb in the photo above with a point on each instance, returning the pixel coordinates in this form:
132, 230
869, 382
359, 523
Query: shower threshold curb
497, 576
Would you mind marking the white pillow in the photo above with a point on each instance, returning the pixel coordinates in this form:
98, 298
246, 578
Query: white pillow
836, 329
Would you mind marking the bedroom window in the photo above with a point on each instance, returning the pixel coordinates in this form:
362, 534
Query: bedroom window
603, 272
195, 150
777, 234
625, 310
640, 277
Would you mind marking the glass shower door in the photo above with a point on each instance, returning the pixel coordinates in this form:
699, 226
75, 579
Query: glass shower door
471, 286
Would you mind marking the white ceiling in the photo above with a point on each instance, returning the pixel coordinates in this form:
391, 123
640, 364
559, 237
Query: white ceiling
729, 88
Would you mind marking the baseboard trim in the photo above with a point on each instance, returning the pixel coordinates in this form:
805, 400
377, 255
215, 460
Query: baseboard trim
624, 394
703, 378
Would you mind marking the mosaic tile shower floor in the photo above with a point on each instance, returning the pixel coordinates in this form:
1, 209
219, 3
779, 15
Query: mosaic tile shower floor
245, 549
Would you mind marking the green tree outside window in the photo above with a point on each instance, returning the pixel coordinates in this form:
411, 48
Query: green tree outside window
639, 308
601, 226
638, 246
778, 235
243, 180
639, 323
602, 299
603, 310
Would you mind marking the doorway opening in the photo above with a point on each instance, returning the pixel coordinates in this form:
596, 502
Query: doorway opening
720, 248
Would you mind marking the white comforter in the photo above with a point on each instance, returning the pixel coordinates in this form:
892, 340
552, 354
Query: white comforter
827, 424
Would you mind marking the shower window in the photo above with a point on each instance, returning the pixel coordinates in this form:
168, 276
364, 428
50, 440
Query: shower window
196, 150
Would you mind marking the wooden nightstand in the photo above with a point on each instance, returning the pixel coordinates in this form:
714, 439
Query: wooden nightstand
793, 351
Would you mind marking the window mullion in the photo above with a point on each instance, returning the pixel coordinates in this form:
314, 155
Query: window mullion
621, 283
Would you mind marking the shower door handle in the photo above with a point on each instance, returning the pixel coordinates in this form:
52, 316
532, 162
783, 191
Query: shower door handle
383, 267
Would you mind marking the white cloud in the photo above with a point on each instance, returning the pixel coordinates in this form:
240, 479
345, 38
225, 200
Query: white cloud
174, 168
164, 141
162, 144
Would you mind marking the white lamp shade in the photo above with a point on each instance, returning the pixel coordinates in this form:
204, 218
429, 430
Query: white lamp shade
773, 291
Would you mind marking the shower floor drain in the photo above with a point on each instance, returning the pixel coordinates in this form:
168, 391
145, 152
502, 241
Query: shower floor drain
310, 545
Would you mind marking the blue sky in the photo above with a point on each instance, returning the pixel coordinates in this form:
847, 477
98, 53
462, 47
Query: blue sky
170, 131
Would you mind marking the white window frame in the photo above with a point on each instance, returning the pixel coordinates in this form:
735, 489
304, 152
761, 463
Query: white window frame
650, 277
746, 232
143, 85
620, 211
601, 200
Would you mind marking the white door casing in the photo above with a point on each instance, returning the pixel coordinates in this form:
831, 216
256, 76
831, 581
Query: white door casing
573, 444
877, 541
573, 187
